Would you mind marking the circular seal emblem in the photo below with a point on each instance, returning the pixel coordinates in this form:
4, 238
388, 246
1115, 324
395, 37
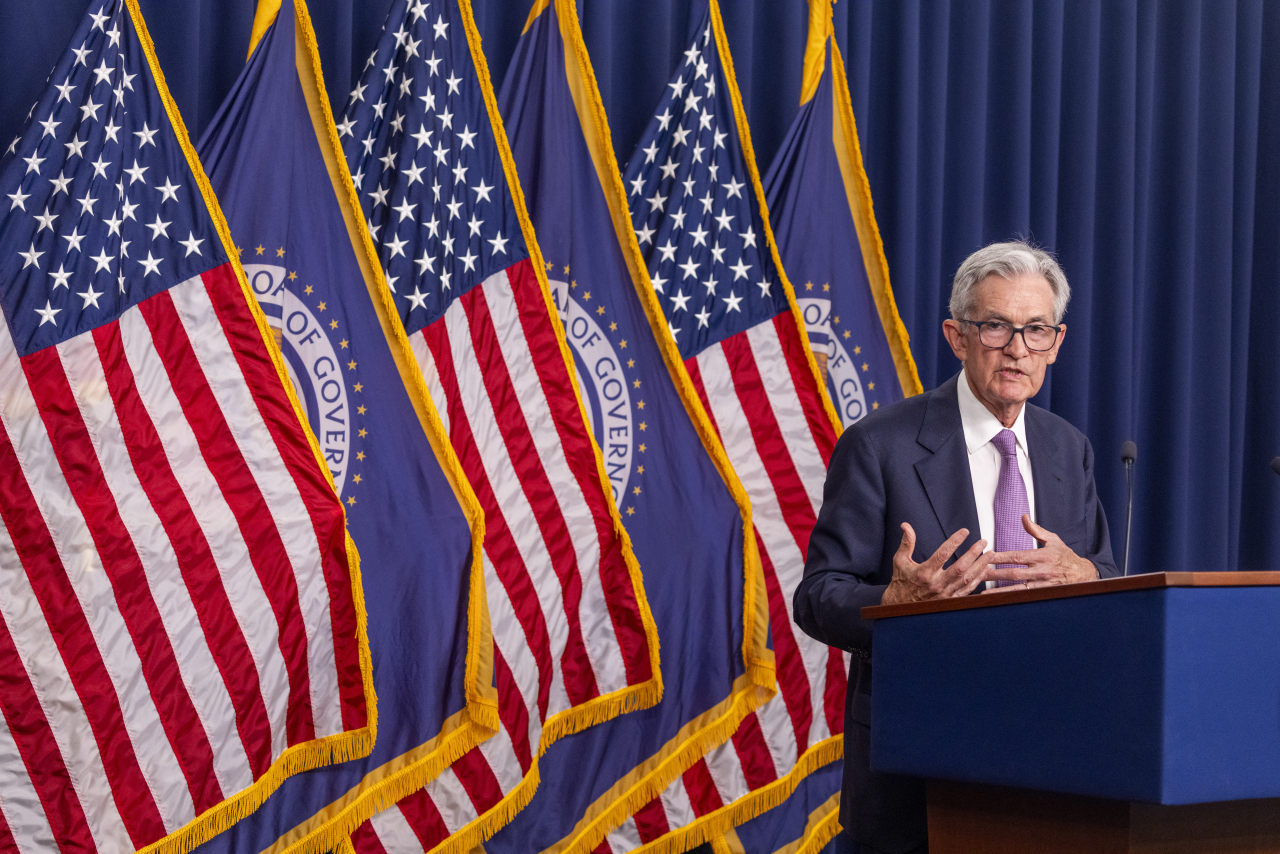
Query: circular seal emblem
314, 367
840, 372
603, 387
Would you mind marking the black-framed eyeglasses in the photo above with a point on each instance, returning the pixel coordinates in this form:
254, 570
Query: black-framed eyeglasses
997, 334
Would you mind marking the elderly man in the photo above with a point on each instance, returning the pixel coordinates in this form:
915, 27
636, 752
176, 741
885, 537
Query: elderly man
961, 489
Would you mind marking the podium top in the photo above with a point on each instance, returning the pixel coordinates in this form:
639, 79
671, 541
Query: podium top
1012, 595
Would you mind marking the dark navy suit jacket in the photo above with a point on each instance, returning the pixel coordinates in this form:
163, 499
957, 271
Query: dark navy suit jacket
908, 463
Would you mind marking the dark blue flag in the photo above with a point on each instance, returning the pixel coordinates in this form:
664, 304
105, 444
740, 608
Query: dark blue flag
820, 207
273, 159
688, 517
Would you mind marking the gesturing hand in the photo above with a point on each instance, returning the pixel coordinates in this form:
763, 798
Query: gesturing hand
917, 582
1052, 564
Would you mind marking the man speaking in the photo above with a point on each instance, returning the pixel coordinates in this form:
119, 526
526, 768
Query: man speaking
958, 490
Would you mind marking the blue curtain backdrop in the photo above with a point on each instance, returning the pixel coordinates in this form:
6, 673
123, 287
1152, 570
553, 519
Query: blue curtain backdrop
1138, 140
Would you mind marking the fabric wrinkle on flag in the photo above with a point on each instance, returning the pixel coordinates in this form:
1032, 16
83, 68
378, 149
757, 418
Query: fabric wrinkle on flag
699, 213
273, 156
688, 517
574, 642
821, 212
806, 823
181, 617
820, 209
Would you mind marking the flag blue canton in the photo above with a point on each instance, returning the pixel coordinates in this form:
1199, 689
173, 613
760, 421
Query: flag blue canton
100, 207
425, 163
694, 210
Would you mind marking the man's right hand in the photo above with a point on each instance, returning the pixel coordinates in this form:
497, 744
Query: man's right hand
918, 582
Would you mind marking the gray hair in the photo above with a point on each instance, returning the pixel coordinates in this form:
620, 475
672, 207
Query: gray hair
1008, 260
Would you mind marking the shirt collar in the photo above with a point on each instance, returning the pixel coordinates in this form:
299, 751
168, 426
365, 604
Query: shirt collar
980, 426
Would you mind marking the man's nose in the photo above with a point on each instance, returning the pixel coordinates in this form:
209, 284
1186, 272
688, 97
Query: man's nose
1017, 346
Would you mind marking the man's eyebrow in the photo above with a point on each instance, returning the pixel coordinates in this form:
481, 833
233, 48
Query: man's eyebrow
1038, 319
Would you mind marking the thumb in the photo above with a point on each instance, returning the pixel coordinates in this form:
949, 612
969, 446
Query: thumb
1040, 534
908, 544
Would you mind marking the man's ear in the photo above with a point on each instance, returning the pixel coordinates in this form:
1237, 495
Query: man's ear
955, 337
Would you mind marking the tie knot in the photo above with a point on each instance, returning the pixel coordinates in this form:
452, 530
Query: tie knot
1006, 443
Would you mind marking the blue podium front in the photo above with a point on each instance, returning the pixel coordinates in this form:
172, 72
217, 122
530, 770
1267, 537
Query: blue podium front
1163, 688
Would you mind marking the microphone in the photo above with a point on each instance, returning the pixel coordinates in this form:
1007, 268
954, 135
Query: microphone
1128, 455
1275, 464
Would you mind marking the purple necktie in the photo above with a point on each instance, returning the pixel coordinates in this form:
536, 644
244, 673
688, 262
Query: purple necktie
1011, 502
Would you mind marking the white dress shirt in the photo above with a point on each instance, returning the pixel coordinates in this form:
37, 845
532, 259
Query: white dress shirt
980, 427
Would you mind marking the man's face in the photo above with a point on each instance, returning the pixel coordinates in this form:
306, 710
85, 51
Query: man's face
1004, 378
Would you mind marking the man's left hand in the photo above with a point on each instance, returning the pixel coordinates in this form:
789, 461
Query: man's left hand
1054, 563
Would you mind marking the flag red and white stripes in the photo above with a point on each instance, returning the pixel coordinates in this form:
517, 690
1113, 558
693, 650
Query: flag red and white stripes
778, 470
759, 385
567, 626
453, 801
573, 641
557, 580
716, 780
765, 404
176, 607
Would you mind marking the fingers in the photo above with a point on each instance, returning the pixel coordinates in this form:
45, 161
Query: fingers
1023, 573
975, 551
1053, 552
1041, 535
947, 549
965, 574
903, 563
966, 561
1025, 585
971, 582
1031, 557
908, 544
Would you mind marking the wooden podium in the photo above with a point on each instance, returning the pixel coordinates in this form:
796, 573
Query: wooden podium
1122, 715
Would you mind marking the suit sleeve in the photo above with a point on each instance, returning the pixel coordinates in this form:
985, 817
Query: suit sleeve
843, 571
1098, 541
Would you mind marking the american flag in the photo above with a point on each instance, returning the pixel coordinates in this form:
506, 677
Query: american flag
177, 611
697, 208
573, 639
688, 517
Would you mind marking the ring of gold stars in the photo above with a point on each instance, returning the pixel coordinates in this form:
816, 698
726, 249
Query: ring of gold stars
857, 350
362, 409
629, 509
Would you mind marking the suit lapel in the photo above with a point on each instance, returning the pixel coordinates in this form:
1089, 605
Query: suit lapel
1047, 471
945, 472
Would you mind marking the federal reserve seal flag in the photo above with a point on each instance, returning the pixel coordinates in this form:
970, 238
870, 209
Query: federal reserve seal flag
181, 619
273, 158
820, 208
